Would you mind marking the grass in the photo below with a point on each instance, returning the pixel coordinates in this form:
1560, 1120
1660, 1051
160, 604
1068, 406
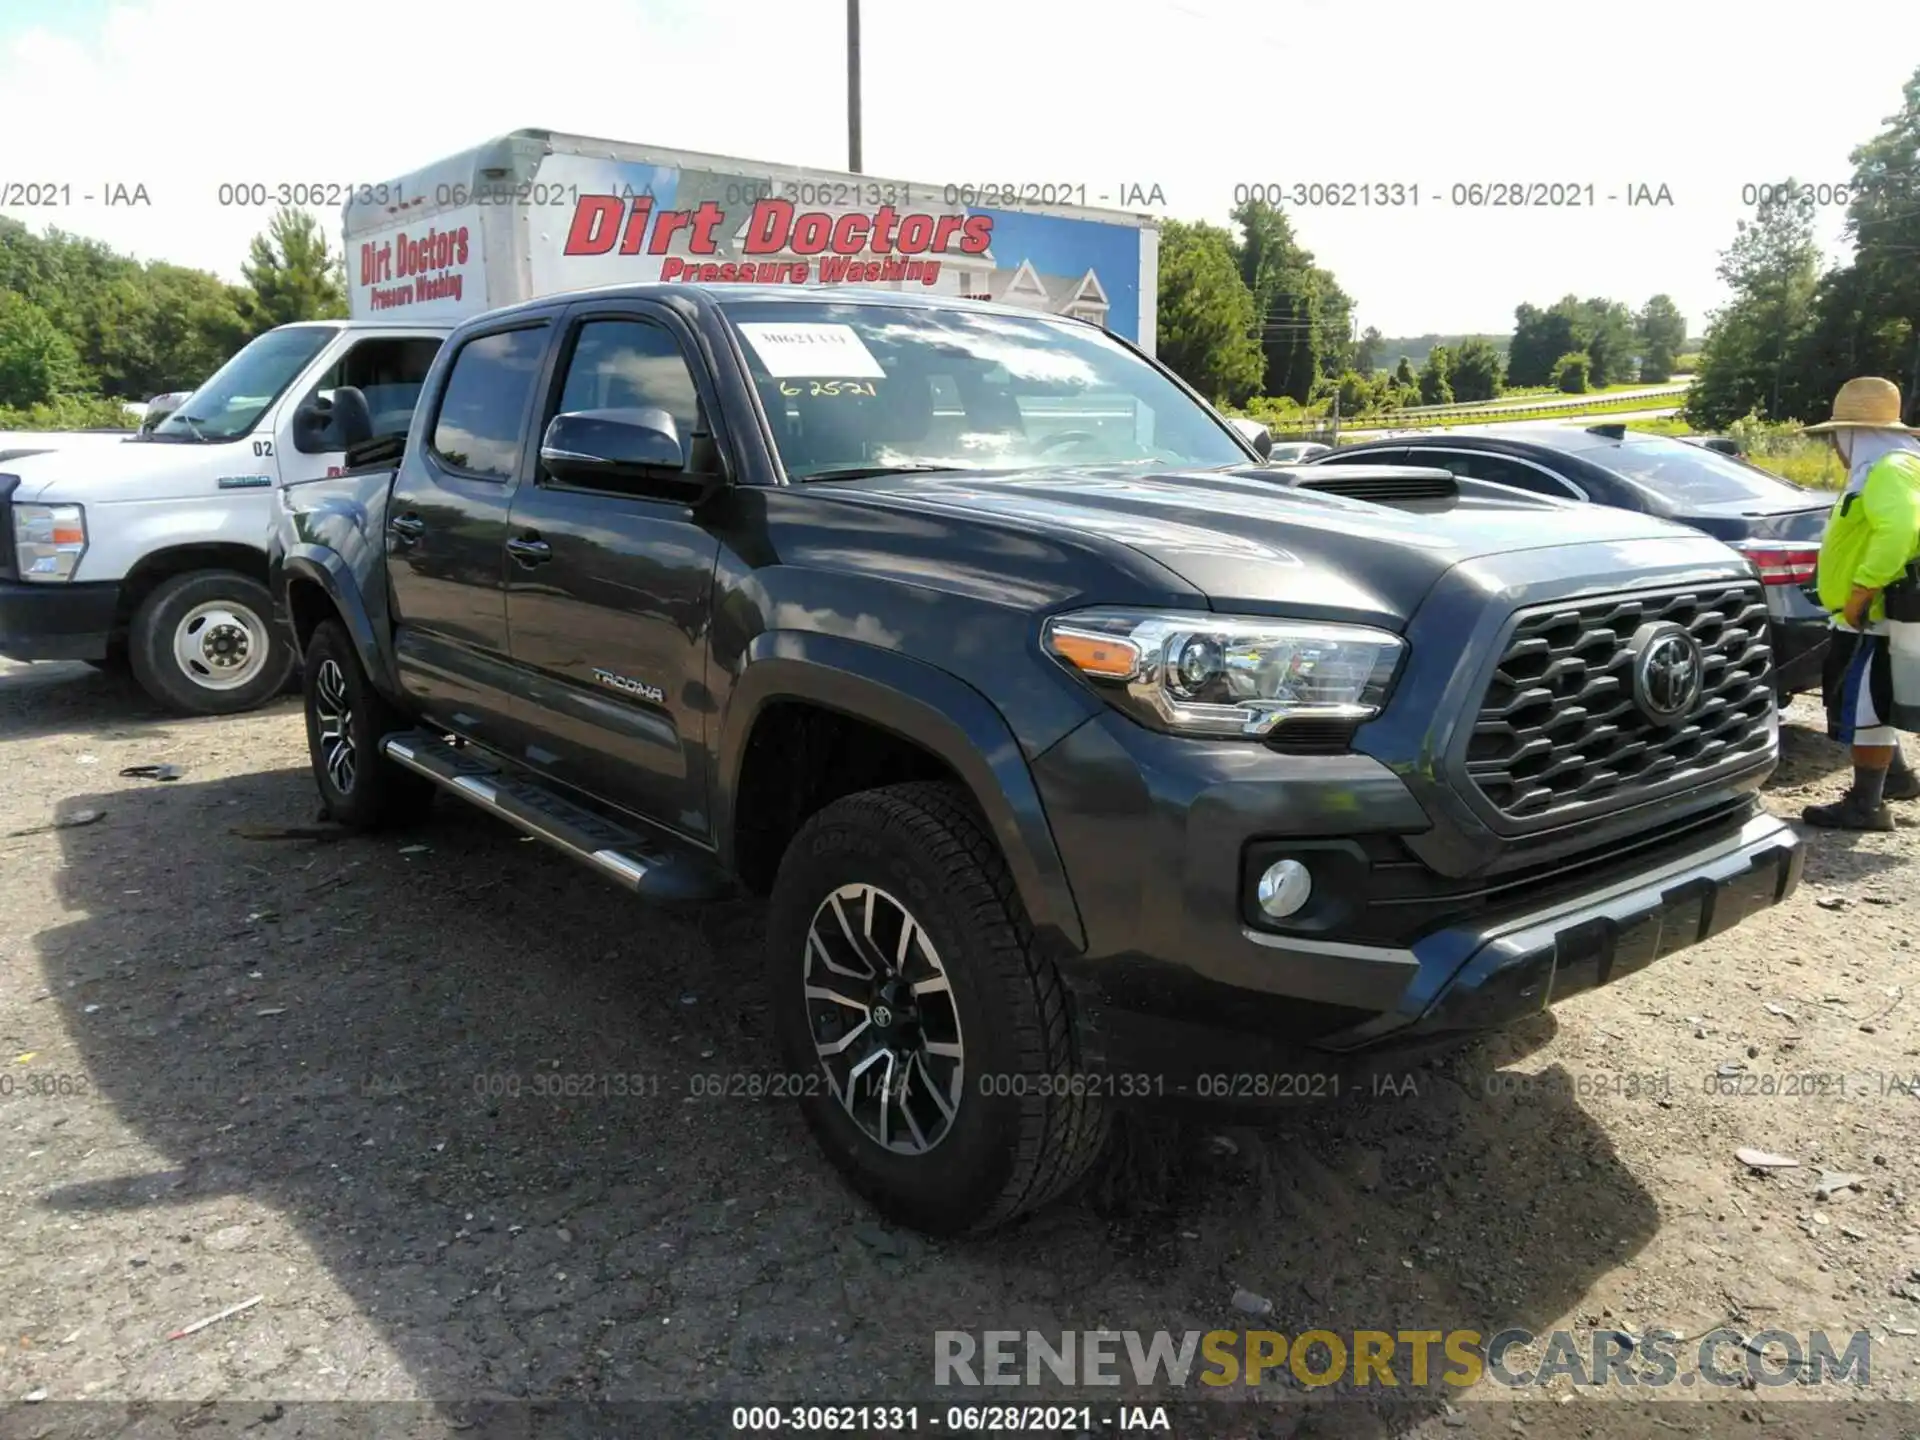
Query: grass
1548, 392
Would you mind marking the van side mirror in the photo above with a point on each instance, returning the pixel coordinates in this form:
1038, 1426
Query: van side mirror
1256, 435
158, 408
637, 449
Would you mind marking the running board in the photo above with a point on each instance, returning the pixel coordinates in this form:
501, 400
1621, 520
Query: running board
655, 868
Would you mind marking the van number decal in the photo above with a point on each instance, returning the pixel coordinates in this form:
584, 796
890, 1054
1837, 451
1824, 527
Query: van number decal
263, 447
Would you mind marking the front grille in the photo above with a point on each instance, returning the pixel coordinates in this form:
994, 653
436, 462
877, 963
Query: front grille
1559, 731
9, 563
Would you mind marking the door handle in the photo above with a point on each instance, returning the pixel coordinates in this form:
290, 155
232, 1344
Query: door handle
407, 528
529, 550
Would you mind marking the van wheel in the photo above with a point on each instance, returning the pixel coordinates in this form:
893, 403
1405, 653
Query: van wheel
202, 643
346, 718
926, 1034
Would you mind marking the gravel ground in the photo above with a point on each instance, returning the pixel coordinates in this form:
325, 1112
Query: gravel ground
332, 1073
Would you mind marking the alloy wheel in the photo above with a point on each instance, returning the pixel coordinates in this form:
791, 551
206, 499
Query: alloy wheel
881, 1012
333, 717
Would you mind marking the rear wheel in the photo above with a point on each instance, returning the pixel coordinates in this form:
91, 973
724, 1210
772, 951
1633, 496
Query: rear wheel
926, 1033
202, 643
346, 718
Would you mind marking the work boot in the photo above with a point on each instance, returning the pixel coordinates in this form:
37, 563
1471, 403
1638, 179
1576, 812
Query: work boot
1849, 812
1902, 782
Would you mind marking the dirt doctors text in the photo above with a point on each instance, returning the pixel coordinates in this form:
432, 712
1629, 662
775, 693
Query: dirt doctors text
1393, 1359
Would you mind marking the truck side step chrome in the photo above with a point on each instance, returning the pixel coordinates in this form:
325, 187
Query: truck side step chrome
654, 867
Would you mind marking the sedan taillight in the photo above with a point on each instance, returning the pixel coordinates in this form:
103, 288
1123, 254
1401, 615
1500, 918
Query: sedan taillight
1781, 563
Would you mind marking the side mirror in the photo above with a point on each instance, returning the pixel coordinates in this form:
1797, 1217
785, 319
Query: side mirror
158, 408
620, 449
1256, 435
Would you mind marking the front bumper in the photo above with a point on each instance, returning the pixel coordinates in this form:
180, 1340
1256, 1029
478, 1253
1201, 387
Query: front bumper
57, 622
1184, 993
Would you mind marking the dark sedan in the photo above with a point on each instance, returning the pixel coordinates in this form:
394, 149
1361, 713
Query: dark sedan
1773, 522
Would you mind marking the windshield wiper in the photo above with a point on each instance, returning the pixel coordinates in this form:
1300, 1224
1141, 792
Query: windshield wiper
862, 472
194, 425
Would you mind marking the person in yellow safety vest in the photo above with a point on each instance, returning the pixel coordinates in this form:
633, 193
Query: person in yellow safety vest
1872, 534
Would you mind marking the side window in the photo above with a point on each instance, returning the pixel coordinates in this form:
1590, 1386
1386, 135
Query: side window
486, 398
1509, 472
630, 365
388, 373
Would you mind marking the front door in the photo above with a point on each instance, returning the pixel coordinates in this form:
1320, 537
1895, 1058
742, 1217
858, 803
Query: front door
387, 370
446, 533
608, 594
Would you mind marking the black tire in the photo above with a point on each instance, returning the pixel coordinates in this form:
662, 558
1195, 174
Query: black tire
1018, 1136
377, 793
238, 615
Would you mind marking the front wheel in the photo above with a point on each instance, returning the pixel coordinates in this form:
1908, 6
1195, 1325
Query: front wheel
346, 718
926, 1033
202, 644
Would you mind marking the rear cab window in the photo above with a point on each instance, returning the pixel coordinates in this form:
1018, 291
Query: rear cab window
484, 404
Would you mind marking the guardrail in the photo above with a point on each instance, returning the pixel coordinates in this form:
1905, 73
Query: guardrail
1426, 415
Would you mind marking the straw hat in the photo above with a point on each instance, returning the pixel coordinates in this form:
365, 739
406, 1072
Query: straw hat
1866, 403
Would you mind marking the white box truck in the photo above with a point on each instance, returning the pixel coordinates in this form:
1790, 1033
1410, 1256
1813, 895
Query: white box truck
152, 554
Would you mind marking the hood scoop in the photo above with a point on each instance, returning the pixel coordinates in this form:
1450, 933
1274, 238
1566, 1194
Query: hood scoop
1381, 484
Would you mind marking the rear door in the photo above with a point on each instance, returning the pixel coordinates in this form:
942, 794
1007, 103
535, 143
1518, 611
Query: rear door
447, 530
609, 592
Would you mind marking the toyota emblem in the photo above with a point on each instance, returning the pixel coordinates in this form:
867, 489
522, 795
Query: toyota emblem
1667, 673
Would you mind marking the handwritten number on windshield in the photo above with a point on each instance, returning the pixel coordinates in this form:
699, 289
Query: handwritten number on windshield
833, 387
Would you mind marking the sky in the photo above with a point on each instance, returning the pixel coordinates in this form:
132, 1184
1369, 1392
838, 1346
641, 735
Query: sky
1195, 97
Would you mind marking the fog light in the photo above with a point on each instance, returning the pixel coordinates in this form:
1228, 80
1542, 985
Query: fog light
1284, 888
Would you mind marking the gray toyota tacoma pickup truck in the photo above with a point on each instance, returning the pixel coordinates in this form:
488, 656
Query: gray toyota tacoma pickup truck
1085, 757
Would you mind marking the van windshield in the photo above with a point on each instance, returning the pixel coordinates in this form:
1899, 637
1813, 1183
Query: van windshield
230, 404
855, 389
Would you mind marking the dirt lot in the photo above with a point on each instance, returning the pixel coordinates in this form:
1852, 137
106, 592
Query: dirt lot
307, 1070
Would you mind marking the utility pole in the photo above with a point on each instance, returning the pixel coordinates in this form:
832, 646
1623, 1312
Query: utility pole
853, 86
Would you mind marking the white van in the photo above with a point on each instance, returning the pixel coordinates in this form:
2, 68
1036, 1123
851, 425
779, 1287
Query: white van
152, 553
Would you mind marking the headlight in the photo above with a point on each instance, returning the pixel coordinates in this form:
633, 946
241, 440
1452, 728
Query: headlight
1202, 674
48, 540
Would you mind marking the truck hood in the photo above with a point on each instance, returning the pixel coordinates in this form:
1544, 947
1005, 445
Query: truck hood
141, 470
1259, 545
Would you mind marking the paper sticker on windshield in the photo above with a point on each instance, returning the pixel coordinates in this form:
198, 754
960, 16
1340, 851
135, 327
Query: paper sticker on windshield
792, 351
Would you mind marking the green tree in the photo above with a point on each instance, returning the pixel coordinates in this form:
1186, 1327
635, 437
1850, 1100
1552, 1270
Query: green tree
1572, 373
1436, 377
1611, 340
1358, 392
1540, 338
1662, 332
1366, 351
1403, 375
293, 273
1772, 271
1478, 371
1206, 317
1304, 316
37, 362
1883, 220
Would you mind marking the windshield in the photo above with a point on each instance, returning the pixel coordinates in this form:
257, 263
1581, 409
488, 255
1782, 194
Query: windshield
862, 388
1691, 474
231, 403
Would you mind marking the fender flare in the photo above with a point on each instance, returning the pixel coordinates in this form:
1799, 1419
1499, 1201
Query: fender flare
925, 706
323, 566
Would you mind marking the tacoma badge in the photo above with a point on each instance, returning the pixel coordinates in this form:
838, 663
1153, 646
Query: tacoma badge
632, 687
